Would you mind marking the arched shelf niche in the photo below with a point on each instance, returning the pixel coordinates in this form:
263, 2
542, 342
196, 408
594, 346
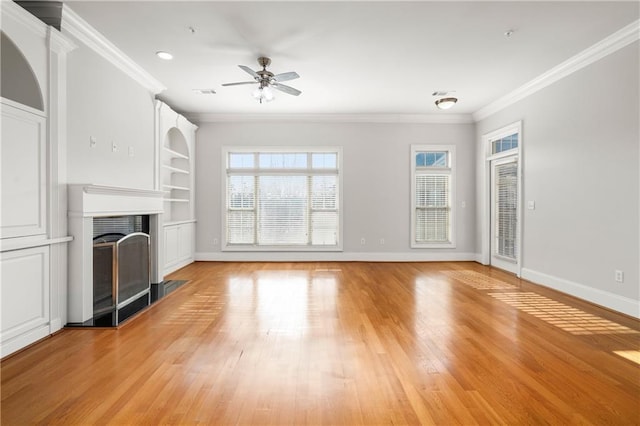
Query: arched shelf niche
18, 81
176, 176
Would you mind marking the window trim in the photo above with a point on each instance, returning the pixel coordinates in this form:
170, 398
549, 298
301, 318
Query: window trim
451, 172
489, 138
224, 246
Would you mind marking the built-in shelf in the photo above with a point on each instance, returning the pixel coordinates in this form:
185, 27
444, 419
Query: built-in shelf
175, 169
180, 188
176, 173
175, 154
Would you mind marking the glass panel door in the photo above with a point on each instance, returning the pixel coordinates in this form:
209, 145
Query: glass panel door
504, 213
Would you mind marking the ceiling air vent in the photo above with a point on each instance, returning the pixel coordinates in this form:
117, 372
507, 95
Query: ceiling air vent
204, 91
442, 92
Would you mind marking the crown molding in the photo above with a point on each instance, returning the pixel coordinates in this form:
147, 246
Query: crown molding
80, 29
59, 42
605, 47
22, 16
333, 118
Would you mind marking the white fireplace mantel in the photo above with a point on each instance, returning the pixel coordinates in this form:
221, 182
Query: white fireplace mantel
86, 201
98, 200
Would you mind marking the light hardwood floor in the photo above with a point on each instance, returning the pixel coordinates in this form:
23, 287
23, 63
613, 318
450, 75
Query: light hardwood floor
338, 343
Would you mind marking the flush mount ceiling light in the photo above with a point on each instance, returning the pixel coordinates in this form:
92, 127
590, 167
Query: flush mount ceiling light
164, 55
446, 103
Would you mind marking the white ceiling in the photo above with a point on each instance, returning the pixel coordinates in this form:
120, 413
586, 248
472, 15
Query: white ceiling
353, 57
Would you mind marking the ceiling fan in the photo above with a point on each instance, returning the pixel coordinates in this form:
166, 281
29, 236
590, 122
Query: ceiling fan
268, 80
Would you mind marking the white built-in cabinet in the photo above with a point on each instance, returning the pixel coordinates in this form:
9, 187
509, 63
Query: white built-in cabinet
33, 219
176, 179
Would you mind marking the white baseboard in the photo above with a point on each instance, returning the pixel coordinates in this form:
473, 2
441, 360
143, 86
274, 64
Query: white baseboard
55, 325
609, 300
175, 266
23, 340
333, 257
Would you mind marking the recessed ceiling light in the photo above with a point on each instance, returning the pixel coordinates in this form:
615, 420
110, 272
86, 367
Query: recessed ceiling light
164, 55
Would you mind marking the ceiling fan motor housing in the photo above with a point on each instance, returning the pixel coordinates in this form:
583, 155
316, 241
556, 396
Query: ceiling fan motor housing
264, 74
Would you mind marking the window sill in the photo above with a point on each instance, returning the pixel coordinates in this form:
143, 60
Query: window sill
281, 249
433, 246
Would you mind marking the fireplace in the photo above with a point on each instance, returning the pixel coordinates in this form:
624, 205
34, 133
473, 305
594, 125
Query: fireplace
121, 267
116, 241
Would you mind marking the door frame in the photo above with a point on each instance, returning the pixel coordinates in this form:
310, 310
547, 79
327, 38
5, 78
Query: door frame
486, 243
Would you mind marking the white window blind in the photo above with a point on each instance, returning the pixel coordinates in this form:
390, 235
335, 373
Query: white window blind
432, 187
506, 223
282, 199
283, 210
432, 208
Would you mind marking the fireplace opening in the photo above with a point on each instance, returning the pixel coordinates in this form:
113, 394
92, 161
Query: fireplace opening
121, 268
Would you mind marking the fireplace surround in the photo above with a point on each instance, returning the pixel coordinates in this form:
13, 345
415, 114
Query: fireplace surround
86, 204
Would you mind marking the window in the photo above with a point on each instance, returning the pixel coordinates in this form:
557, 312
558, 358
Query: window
287, 200
506, 143
432, 184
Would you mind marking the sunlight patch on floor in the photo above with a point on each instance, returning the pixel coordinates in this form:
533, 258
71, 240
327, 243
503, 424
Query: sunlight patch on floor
202, 309
563, 316
630, 355
478, 280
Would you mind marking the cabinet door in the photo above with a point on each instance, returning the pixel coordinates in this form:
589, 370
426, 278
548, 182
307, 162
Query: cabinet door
185, 241
170, 245
24, 297
23, 173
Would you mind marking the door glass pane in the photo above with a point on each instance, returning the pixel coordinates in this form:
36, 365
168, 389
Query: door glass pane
506, 210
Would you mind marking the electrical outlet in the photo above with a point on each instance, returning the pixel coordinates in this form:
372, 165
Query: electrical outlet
132, 152
381, 241
92, 142
619, 276
215, 241
114, 147
363, 241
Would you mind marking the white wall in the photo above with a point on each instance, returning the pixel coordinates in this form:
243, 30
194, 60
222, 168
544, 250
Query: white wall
105, 103
376, 183
581, 162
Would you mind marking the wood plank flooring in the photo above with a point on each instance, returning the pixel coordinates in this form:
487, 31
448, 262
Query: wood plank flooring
340, 344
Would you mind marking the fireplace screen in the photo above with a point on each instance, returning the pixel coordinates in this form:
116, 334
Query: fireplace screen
121, 272
132, 253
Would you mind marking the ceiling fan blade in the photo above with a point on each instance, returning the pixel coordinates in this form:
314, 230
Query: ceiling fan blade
239, 83
286, 76
286, 89
249, 71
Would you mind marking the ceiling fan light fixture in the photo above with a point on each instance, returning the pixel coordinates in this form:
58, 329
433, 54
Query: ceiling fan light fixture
263, 94
446, 103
